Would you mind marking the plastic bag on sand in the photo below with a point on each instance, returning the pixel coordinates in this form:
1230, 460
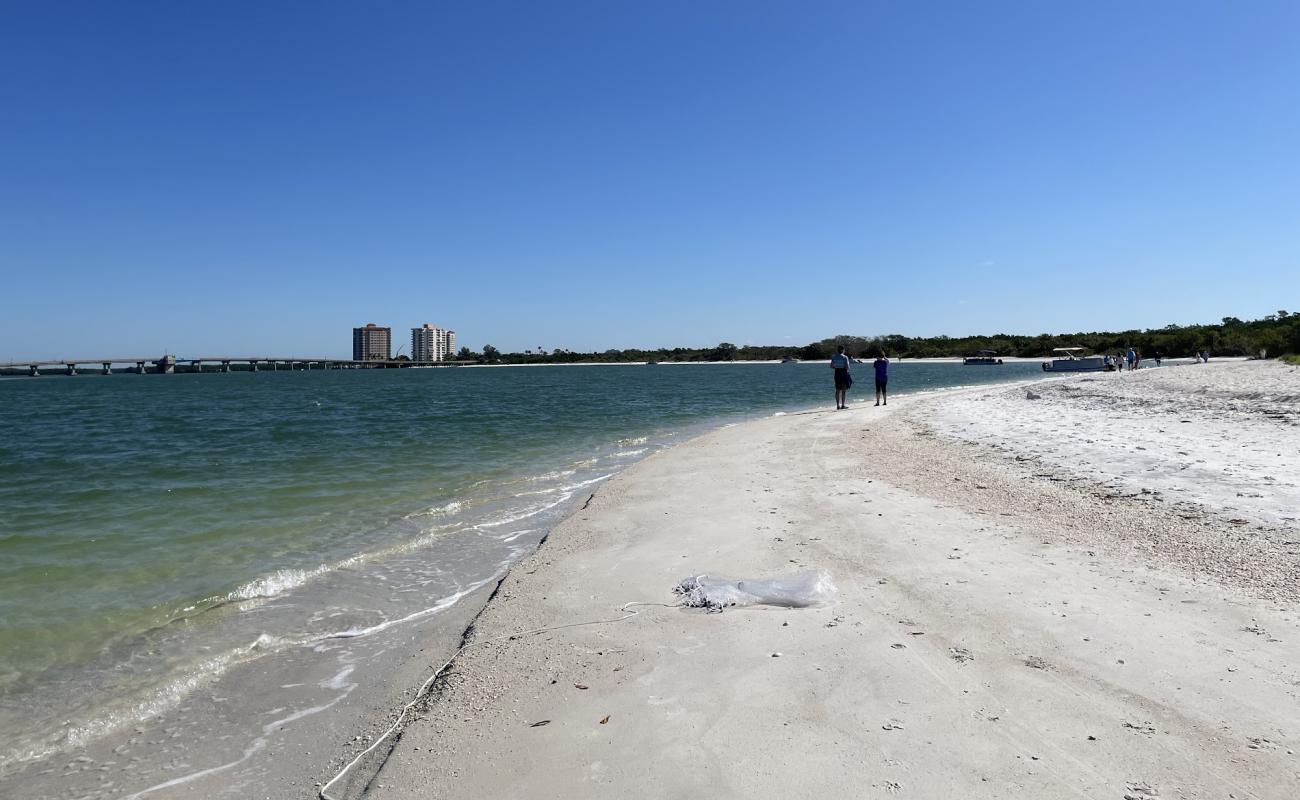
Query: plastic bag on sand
796, 590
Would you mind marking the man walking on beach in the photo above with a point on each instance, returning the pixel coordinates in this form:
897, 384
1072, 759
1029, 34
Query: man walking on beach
840, 363
882, 377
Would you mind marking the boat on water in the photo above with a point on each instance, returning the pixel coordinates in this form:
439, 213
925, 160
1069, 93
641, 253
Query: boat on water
982, 358
789, 360
1075, 359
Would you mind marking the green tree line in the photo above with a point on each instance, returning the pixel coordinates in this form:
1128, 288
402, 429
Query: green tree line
1274, 335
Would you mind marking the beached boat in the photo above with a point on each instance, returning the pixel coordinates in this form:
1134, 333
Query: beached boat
982, 358
1073, 359
789, 360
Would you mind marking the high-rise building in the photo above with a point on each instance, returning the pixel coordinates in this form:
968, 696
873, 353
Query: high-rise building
372, 343
431, 343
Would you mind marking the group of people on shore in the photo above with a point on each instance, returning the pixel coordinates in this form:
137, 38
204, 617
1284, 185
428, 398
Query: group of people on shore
841, 361
843, 380
1132, 358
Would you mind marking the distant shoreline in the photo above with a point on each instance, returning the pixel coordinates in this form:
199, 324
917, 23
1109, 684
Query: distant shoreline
54, 373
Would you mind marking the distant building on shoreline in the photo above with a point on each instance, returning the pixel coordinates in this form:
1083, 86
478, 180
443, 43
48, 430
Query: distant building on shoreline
431, 343
372, 343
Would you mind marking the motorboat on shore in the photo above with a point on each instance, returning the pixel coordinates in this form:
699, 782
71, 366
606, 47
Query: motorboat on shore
982, 358
789, 360
1075, 359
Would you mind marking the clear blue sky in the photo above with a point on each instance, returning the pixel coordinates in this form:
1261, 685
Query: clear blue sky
225, 176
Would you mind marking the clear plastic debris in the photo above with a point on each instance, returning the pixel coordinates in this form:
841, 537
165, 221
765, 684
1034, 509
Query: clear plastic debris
796, 590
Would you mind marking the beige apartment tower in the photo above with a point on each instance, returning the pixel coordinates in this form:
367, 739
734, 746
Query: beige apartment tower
372, 343
431, 343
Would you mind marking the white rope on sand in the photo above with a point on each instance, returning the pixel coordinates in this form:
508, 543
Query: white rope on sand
424, 687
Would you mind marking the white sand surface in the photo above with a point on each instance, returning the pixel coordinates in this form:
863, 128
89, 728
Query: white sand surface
1005, 628
1225, 435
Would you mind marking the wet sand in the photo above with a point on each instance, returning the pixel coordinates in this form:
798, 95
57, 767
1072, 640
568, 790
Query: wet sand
250, 735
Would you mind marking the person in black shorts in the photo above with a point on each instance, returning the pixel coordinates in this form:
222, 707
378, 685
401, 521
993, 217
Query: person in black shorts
882, 378
840, 363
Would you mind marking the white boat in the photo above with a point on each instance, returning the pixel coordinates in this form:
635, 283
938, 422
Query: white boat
1073, 359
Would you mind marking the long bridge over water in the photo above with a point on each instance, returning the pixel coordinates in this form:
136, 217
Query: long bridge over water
170, 364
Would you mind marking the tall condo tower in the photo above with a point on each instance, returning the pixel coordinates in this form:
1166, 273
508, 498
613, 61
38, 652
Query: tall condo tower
431, 343
372, 343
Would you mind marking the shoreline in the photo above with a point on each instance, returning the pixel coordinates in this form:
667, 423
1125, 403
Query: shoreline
210, 705
153, 745
666, 687
896, 361
425, 642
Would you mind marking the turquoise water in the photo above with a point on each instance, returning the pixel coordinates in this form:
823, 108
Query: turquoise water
158, 529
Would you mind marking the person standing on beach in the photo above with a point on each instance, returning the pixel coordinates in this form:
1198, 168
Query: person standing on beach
1131, 357
840, 363
882, 377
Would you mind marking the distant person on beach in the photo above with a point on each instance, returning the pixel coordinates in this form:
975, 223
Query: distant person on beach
882, 378
1131, 358
843, 380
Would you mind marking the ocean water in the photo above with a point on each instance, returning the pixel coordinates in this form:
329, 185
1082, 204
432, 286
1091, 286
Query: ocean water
158, 530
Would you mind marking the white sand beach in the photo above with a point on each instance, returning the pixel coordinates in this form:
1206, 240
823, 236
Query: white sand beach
1081, 595
1221, 435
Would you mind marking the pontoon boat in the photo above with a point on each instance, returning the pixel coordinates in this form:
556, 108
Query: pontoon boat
1072, 359
982, 358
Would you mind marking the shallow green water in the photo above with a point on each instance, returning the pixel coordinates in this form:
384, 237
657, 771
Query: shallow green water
152, 523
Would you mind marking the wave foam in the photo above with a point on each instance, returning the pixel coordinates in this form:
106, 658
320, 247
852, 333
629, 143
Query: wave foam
442, 604
517, 534
550, 476
447, 510
531, 512
274, 584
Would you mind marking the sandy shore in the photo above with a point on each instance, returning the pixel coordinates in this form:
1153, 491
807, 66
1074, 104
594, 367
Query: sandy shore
1221, 435
1011, 620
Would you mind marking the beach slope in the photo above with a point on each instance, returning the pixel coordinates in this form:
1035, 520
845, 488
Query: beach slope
1007, 625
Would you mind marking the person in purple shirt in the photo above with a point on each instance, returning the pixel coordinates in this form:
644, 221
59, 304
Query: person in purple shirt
882, 378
